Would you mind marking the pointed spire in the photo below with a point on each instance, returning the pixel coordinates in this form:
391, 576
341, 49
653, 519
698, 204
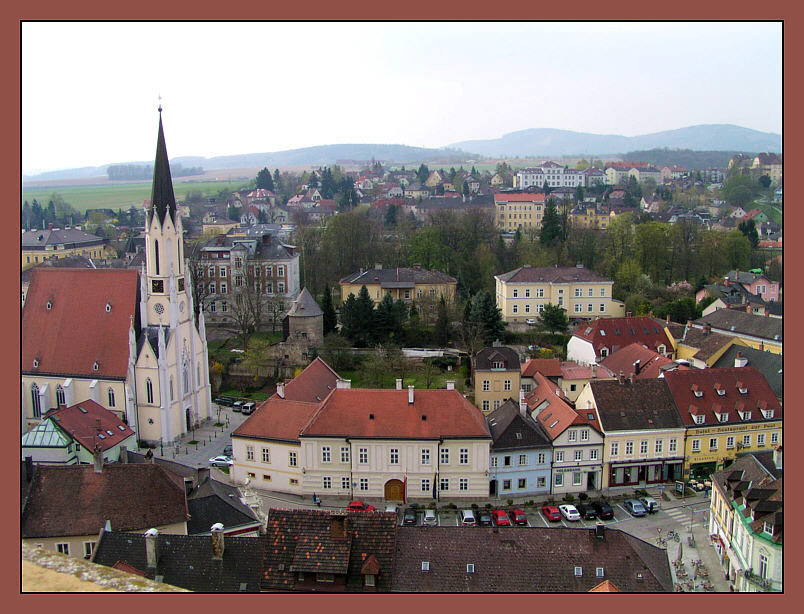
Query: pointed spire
163, 201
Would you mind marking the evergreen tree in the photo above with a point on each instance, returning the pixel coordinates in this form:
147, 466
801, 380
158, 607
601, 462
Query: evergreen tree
350, 325
553, 319
460, 288
551, 224
423, 173
441, 336
264, 180
330, 317
276, 179
487, 317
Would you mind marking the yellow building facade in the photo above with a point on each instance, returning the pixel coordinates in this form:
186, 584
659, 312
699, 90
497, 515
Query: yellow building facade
518, 211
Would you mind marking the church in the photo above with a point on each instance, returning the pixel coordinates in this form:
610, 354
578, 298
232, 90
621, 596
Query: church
125, 339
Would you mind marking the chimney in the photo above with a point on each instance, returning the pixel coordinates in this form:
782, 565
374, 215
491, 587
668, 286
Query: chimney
124, 455
761, 346
344, 384
740, 360
28, 468
628, 314
152, 548
667, 319
777, 457
450, 384
399, 383
97, 457
523, 406
337, 527
280, 390
217, 541
188, 485
410, 395
600, 530
594, 370
637, 366
707, 328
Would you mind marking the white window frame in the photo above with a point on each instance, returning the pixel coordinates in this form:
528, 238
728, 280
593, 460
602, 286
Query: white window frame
326, 454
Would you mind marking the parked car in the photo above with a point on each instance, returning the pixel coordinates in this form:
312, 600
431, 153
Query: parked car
227, 450
634, 507
409, 518
430, 519
517, 516
603, 509
359, 506
248, 408
221, 461
530, 321
484, 519
392, 508
237, 406
551, 513
468, 518
586, 511
227, 401
650, 504
570, 512
500, 518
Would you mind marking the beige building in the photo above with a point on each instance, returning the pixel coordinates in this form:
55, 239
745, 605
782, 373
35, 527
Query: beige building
497, 377
522, 211
41, 245
403, 283
523, 293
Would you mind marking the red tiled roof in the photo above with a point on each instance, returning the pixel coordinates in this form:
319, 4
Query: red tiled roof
386, 413
624, 359
759, 394
278, 419
616, 333
556, 417
77, 330
516, 197
549, 367
83, 426
313, 384
572, 370
124, 566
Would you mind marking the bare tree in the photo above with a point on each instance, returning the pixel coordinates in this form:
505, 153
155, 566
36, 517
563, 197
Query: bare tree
248, 304
196, 269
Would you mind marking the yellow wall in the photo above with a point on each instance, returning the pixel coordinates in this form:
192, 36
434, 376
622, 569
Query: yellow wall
33, 257
557, 294
417, 293
510, 216
497, 391
721, 433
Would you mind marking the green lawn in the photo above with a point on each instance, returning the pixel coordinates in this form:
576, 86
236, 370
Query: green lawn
774, 214
415, 378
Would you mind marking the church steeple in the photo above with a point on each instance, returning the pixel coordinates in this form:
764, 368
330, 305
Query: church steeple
163, 202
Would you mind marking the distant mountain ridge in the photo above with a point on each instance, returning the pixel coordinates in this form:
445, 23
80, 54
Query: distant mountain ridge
553, 142
523, 143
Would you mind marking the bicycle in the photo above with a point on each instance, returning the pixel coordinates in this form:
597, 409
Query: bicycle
671, 534
661, 541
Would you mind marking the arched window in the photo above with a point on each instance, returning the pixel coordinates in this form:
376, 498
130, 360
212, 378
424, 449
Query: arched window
156, 255
111, 397
186, 378
198, 374
149, 390
60, 396
37, 409
171, 387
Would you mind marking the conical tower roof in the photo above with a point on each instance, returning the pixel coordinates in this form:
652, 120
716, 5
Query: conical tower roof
305, 305
163, 202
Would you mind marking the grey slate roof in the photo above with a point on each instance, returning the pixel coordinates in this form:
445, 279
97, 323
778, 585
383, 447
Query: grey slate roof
398, 274
186, 560
510, 430
213, 501
527, 559
69, 237
645, 404
489, 355
529, 274
763, 327
305, 306
767, 363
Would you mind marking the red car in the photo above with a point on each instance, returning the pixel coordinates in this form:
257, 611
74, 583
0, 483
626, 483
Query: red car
551, 513
359, 506
500, 518
518, 517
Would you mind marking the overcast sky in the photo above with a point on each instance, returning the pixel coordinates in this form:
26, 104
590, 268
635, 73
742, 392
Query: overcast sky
90, 90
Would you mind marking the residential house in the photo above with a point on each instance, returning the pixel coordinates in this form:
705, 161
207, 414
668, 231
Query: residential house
497, 180
594, 176
713, 175
770, 365
746, 524
40, 245
86, 498
549, 367
769, 164
266, 447
594, 341
576, 437
672, 172
263, 262
534, 560
416, 190
727, 412
760, 332
521, 454
396, 445
759, 216
403, 283
644, 435
590, 216
700, 347
551, 173
213, 225
521, 294
575, 377
754, 282
434, 179
70, 435
732, 296
200, 563
643, 174
496, 377
328, 551
517, 210
211, 502
638, 362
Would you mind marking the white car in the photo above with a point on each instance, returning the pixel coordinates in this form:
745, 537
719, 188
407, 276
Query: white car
221, 461
430, 519
569, 512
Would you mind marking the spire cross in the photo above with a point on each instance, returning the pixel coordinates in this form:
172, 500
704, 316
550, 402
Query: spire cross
160, 103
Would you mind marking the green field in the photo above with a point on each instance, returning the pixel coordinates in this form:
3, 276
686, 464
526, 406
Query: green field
774, 214
122, 195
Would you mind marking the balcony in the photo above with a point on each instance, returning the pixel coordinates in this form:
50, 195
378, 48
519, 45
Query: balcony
764, 583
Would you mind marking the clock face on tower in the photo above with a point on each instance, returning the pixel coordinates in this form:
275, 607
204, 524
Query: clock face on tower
158, 286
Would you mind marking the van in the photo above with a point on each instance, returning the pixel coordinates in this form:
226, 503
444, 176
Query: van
248, 408
468, 518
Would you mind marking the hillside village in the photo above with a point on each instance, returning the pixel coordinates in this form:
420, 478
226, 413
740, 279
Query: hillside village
234, 387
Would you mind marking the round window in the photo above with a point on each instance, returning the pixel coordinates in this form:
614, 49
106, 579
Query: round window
181, 307
159, 308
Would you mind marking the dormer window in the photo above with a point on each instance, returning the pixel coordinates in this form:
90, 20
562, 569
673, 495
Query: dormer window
697, 391
766, 413
744, 415
722, 417
602, 333
767, 528
108, 307
742, 388
578, 572
498, 364
36, 363
49, 305
95, 366
661, 349
720, 390
699, 418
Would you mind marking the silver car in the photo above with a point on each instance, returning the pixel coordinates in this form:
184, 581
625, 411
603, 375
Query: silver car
430, 519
